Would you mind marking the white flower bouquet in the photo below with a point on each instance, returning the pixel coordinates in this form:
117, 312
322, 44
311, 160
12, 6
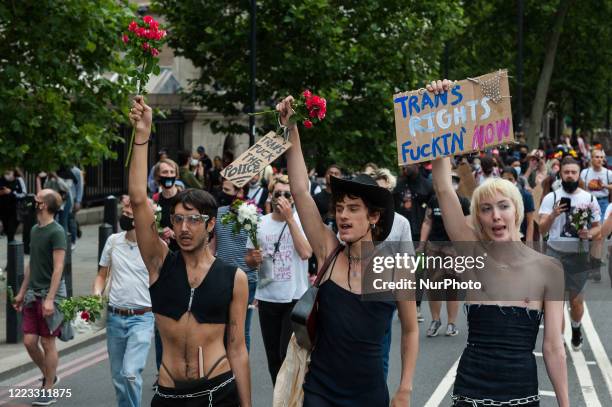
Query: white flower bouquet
243, 215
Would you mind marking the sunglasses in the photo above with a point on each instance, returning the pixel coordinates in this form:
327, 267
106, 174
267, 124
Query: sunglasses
192, 220
286, 194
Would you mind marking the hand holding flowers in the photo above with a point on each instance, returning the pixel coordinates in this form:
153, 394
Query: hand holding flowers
243, 215
309, 109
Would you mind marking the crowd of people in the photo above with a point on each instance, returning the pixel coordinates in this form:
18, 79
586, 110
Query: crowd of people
192, 283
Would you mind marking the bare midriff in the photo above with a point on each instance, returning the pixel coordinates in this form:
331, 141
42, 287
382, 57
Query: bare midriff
181, 340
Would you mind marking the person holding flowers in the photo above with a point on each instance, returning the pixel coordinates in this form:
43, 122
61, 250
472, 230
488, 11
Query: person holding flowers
42, 290
350, 332
199, 301
571, 218
281, 252
129, 324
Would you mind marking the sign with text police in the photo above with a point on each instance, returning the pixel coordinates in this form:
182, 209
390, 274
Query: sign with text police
473, 115
255, 159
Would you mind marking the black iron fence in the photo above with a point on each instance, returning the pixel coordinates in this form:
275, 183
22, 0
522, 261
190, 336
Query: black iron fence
111, 177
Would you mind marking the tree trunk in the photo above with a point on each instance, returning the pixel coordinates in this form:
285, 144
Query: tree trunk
539, 101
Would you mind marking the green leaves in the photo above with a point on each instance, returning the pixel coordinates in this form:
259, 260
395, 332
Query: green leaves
56, 105
346, 51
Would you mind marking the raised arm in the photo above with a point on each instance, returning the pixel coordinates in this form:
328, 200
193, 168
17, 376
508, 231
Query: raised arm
321, 238
152, 250
455, 222
236, 345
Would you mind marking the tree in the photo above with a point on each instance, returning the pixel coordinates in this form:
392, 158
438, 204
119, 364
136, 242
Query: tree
357, 54
58, 104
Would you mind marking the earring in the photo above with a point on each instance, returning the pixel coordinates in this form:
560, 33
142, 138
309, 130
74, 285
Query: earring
373, 226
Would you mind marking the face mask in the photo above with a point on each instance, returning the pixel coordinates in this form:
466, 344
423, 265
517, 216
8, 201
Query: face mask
522, 154
167, 182
126, 223
194, 162
253, 183
569, 186
226, 199
518, 170
476, 167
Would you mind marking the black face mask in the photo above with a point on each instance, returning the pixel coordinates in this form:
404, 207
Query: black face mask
167, 182
226, 199
569, 186
126, 223
522, 154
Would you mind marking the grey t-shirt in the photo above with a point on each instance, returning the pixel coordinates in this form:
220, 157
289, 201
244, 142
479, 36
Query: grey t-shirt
130, 278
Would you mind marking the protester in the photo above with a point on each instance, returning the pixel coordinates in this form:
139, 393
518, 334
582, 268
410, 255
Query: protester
78, 190
204, 159
536, 171
232, 249
59, 185
488, 169
282, 257
323, 198
42, 289
215, 177
565, 239
350, 331
165, 173
527, 226
502, 334
151, 181
597, 179
190, 179
198, 300
129, 325
434, 242
257, 192
12, 190
400, 232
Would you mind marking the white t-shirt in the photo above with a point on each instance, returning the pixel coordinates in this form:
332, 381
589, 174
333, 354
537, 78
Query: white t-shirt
129, 275
604, 175
284, 278
608, 212
562, 236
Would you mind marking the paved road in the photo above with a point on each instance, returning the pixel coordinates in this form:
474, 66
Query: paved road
86, 372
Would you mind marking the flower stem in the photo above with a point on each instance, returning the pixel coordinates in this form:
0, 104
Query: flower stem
129, 154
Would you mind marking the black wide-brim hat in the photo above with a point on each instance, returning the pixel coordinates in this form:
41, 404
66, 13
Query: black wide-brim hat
364, 186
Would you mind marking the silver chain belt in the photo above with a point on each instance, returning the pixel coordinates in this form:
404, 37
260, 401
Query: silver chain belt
208, 393
490, 402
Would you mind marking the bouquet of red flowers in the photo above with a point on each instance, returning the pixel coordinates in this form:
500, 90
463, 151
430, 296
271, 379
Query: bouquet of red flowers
143, 40
309, 109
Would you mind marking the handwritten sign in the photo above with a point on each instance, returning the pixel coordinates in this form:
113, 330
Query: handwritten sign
473, 115
255, 159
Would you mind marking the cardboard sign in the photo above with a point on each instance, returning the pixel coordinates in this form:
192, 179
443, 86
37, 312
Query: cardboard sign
255, 159
473, 115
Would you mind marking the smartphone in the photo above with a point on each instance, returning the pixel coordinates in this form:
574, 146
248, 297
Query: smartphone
567, 202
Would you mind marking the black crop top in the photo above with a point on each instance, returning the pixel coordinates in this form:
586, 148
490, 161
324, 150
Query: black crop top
171, 295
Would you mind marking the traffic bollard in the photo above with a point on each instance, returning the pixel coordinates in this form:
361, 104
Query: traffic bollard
14, 271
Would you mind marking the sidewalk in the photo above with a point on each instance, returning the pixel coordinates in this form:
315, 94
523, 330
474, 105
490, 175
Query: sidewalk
84, 268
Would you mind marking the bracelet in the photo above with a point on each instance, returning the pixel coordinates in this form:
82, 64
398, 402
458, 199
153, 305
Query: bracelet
141, 144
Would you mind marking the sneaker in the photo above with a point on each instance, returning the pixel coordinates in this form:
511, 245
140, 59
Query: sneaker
44, 401
73, 247
55, 381
419, 315
451, 330
576, 339
434, 328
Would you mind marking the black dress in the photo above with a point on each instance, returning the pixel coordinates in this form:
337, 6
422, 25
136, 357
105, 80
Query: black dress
498, 362
346, 367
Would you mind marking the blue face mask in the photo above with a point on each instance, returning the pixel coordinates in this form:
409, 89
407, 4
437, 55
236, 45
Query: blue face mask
518, 170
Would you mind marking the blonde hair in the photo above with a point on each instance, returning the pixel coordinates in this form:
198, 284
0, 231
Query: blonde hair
279, 179
488, 189
385, 174
168, 161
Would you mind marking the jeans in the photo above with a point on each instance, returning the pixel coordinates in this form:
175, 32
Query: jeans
128, 339
249, 315
603, 204
386, 346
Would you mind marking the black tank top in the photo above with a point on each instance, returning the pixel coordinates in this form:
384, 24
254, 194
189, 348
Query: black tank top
171, 295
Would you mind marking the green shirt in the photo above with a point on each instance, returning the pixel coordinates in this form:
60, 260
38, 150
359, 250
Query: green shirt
189, 179
43, 241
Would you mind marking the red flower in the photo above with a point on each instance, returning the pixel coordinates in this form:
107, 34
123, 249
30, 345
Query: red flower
145, 46
307, 124
154, 52
133, 26
140, 32
85, 316
307, 94
125, 38
317, 107
148, 20
154, 25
